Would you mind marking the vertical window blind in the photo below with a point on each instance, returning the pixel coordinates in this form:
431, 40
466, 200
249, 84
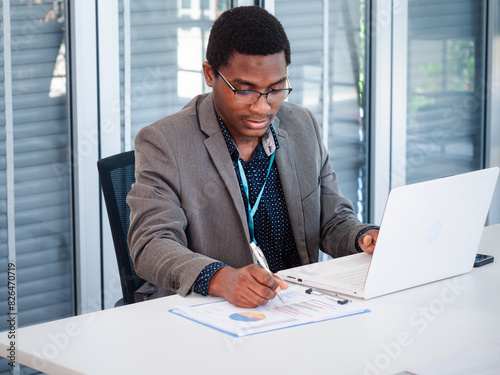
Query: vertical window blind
41, 144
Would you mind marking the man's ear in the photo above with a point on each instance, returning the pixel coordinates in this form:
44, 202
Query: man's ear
208, 73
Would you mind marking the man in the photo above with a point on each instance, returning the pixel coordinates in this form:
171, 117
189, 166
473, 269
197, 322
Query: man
234, 166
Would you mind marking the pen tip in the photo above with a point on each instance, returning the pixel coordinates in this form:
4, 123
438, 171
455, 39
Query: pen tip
281, 298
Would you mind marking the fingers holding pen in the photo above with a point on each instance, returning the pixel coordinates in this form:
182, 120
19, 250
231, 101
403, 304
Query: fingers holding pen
248, 287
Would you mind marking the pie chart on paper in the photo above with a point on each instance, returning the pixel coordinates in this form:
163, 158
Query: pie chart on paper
247, 316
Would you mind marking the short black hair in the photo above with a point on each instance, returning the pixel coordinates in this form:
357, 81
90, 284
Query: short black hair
249, 30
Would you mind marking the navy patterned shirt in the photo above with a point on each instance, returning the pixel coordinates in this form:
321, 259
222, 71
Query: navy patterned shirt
273, 231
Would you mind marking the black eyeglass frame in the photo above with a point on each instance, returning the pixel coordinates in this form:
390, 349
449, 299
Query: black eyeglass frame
235, 91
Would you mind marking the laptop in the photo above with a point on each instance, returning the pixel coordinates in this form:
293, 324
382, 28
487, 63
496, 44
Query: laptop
429, 231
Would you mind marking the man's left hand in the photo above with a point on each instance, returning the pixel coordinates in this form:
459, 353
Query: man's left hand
368, 240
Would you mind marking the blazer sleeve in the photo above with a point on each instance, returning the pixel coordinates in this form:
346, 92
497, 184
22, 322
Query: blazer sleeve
157, 239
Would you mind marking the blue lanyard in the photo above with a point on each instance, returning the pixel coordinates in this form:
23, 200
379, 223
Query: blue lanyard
253, 210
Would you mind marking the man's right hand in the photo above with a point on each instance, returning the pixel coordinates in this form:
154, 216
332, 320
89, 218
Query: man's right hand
249, 287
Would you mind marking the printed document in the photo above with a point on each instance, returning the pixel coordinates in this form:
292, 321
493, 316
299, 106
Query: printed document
299, 308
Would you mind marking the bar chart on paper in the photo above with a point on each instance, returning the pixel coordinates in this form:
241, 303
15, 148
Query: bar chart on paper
310, 308
299, 309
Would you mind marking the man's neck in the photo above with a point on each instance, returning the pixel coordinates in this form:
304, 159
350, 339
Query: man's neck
247, 147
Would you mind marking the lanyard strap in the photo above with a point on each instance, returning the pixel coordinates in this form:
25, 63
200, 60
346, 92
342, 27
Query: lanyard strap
253, 210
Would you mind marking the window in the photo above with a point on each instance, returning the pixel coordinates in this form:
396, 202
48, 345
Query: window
329, 76
446, 87
35, 178
431, 92
163, 47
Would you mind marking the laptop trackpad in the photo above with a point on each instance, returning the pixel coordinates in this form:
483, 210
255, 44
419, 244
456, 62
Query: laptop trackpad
349, 271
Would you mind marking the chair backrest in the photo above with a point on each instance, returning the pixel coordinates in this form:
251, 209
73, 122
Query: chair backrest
117, 176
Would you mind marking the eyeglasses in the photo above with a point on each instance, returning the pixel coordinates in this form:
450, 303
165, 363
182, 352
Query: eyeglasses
251, 96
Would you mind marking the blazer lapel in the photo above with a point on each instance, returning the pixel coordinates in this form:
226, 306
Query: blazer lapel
289, 182
217, 148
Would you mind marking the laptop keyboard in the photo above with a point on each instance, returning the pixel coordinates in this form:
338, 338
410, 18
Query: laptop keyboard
354, 278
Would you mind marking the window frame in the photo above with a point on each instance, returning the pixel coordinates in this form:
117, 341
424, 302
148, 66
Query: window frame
85, 153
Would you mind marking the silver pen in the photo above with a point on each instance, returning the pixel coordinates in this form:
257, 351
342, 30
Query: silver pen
261, 259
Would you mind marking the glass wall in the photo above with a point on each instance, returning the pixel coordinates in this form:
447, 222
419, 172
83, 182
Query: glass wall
329, 76
446, 88
162, 49
35, 181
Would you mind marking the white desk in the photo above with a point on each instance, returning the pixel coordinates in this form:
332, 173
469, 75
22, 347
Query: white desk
402, 330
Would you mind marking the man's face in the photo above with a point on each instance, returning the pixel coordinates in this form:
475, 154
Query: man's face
247, 122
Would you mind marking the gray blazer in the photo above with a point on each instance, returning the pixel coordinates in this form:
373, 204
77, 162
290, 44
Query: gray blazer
186, 206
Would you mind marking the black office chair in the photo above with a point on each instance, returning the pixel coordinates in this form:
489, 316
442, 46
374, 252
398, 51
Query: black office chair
117, 176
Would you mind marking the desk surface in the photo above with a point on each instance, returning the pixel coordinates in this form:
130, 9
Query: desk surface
402, 330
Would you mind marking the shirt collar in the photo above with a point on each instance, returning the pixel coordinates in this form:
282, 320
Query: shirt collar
269, 139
